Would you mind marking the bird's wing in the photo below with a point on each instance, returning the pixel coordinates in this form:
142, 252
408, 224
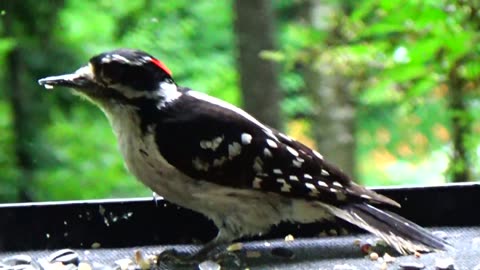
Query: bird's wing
224, 145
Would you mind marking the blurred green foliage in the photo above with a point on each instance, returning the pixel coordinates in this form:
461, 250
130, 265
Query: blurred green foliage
403, 58
399, 53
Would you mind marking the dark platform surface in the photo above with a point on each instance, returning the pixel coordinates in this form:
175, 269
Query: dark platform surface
311, 253
121, 226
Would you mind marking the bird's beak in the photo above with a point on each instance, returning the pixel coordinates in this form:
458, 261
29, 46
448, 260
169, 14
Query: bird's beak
80, 79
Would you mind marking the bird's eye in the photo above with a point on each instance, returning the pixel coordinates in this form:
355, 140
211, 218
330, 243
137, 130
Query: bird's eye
111, 73
136, 77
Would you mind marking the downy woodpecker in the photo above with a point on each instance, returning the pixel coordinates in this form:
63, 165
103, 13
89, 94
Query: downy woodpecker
207, 155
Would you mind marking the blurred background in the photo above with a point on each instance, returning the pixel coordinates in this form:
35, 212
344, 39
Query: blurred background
388, 90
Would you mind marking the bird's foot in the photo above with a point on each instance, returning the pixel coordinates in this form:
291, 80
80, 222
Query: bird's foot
172, 256
220, 256
228, 259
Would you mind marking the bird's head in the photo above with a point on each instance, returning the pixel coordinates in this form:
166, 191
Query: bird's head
119, 76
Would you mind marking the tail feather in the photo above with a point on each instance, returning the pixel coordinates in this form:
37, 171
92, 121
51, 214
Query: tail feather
400, 233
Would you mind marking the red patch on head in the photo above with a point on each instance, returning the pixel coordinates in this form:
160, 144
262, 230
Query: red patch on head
162, 66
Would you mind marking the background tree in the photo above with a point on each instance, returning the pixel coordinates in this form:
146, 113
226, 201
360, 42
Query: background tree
333, 118
254, 26
25, 56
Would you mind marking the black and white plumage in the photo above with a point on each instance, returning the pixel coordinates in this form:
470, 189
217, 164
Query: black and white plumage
207, 155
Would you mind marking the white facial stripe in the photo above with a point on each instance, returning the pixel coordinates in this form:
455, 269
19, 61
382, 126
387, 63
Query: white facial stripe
119, 58
230, 107
169, 92
86, 71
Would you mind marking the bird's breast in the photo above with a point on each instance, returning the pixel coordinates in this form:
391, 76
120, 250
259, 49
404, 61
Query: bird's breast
140, 152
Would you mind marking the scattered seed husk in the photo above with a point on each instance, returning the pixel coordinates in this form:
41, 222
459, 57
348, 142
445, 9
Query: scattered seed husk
380, 242
20, 259
344, 267
440, 234
65, 256
388, 259
289, 238
253, 254
445, 264
124, 263
383, 266
373, 256
141, 261
476, 243
235, 247
84, 266
357, 242
366, 248
209, 265
333, 232
412, 266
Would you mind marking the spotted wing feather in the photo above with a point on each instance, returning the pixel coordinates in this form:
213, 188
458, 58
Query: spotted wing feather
226, 148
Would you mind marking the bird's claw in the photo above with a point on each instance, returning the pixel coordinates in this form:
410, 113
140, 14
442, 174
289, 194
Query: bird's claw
227, 258
174, 257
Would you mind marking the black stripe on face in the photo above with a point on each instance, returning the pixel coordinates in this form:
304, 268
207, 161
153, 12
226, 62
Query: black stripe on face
128, 68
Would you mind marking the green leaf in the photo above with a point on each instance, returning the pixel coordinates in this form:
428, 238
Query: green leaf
425, 50
421, 87
363, 9
382, 29
470, 70
6, 45
380, 93
275, 56
405, 72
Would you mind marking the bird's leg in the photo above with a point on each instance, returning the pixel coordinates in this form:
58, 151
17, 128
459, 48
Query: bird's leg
212, 250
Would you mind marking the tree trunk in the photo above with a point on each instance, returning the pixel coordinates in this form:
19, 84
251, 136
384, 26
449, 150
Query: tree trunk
461, 121
333, 124
23, 125
255, 30
28, 111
